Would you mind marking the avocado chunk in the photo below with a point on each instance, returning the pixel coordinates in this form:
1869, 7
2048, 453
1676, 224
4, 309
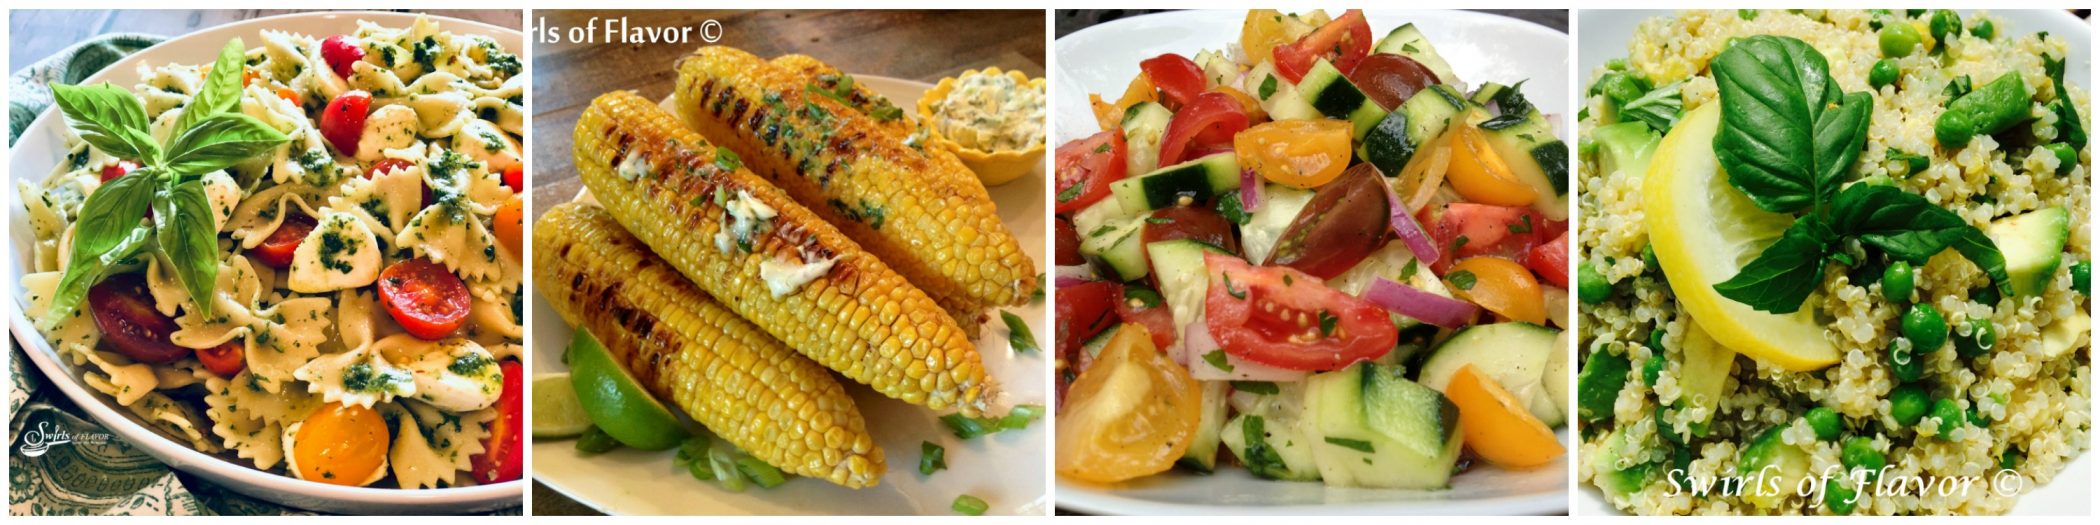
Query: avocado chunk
1770, 468
2033, 244
1597, 388
1611, 472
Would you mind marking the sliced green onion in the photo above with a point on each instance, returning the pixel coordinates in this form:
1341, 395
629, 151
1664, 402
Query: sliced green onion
932, 458
970, 505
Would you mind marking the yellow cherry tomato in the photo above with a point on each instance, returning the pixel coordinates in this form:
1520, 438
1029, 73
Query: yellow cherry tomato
1302, 153
341, 445
1501, 286
1261, 33
1131, 414
1110, 116
510, 225
1498, 428
1479, 174
1247, 103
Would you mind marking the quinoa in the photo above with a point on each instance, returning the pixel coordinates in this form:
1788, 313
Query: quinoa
2034, 409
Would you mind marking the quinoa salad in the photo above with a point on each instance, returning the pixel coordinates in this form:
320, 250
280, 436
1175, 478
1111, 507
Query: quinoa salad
1832, 244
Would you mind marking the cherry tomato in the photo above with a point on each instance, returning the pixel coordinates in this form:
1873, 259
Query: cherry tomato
1391, 79
504, 456
424, 297
1497, 427
1344, 222
1177, 77
1263, 30
1287, 319
341, 445
248, 76
1132, 414
1300, 153
340, 54
1068, 244
1211, 120
1190, 222
1085, 167
514, 177
1110, 116
1478, 173
343, 122
226, 360
510, 225
1343, 42
117, 169
1083, 311
124, 311
385, 166
1144, 306
1501, 286
291, 96
277, 249
1467, 229
1550, 260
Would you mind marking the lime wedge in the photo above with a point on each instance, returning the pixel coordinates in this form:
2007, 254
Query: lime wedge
555, 411
615, 402
1705, 231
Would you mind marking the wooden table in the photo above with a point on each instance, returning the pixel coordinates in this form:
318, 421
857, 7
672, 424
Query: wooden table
916, 45
39, 33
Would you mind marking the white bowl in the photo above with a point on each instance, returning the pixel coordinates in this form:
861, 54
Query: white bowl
1480, 47
41, 147
1605, 35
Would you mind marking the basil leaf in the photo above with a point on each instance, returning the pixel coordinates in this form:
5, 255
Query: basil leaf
221, 91
109, 232
220, 141
1787, 136
189, 238
1659, 109
1909, 228
2069, 127
109, 118
1786, 273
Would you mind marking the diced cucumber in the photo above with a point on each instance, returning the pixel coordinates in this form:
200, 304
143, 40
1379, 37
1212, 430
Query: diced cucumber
1380, 431
1279, 97
2033, 244
1202, 454
1196, 180
1408, 42
1597, 387
1182, 279
1488, 92
1117, 248
1513, 354
1333, 95
1556, 376
1281, 444
1101, 213
1280, 205
1093, 347
1143, 126
1218, 69
1537, 157
1422, 118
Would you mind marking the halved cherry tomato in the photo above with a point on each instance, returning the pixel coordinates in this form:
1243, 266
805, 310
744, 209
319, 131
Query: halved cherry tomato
514, 177
1287, 319
1083, 311
385, 166
1211, 120
1343, 42
1145, 306
1248, 104
424, 297
1110, 116
503, 458
248, 76
1132, 414
1391, 79
291, 96
1478, 173
124, 311
1501, 286
1177, 77
1068, 244
1497, 427
510, 225
1086, 166
1344, 222
1263, 30
226, 360
341, 444
277, 249
1301, 153
340, 54
343, 122
118, 169
1190, 222
1550, 260
1467, 229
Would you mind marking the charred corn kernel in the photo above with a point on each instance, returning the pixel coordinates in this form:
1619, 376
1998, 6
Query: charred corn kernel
734, 235
916, 207
773, 403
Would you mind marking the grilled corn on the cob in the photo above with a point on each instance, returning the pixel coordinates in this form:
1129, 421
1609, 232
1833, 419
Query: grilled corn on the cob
917, 208
775, 404
772, 261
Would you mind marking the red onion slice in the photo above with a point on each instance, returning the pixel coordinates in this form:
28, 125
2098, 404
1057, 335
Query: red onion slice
1407, 229
1250, 190
1427, 307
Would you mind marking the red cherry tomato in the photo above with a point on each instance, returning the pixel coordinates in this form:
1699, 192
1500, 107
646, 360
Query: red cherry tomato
124, 311
1344, 222
1083, 311
1343, 42
385, 166
1086, 166
1146, 307
226, 360
504, 456
1391, 79
1210, 120
1467, 229
1176, 76
343, 122
1287, 319
117, 169
1190, 222
1068, 244
424, 297
277, 249
1550, 260
340, 53
514, 177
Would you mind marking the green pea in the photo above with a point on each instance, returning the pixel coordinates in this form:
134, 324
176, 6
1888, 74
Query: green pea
1651, 371
1590, 284
2011, 458
1988, 109
1825, 421
2082, 276
1662, 425
1859, 453
2066, 156
1983, 29
1976, 418
1986, 295
1904, 362
1925, 328
1648, 257
1908, 404
1897, 39
1983, 335
1945, 23
1837, 497
1655, 341
1883, 73
1897, 281
1950, 415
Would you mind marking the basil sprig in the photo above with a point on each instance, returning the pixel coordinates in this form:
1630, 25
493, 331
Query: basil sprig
1788, 140
113, 230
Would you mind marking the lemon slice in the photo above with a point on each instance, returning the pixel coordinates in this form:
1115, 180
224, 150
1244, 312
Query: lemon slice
555, 411
1705, 231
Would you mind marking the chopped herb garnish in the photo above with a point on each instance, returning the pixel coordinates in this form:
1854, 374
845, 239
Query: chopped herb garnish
1216, 358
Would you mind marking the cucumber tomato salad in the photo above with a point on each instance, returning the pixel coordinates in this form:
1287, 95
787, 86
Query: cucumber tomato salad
1314, 254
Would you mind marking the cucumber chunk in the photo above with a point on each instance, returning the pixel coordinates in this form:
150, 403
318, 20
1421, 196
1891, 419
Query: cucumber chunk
1196, 180
1380, 431
1514, 354
1144, 124
1202, 454
1333, 95
1408, 41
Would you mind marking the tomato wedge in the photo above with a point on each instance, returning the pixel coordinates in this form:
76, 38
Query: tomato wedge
1084, 310
276, 250
1203, 125
226, 360
1550, 260
1391, 79
1132, 414
424, 297
1190, 222
124, 311
514, 177
1141, 305
1343, 42
1501, 286
1343, 223
1176, 76
1086, 166
1068, 244
1287, 319
1465, 229
504, 456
